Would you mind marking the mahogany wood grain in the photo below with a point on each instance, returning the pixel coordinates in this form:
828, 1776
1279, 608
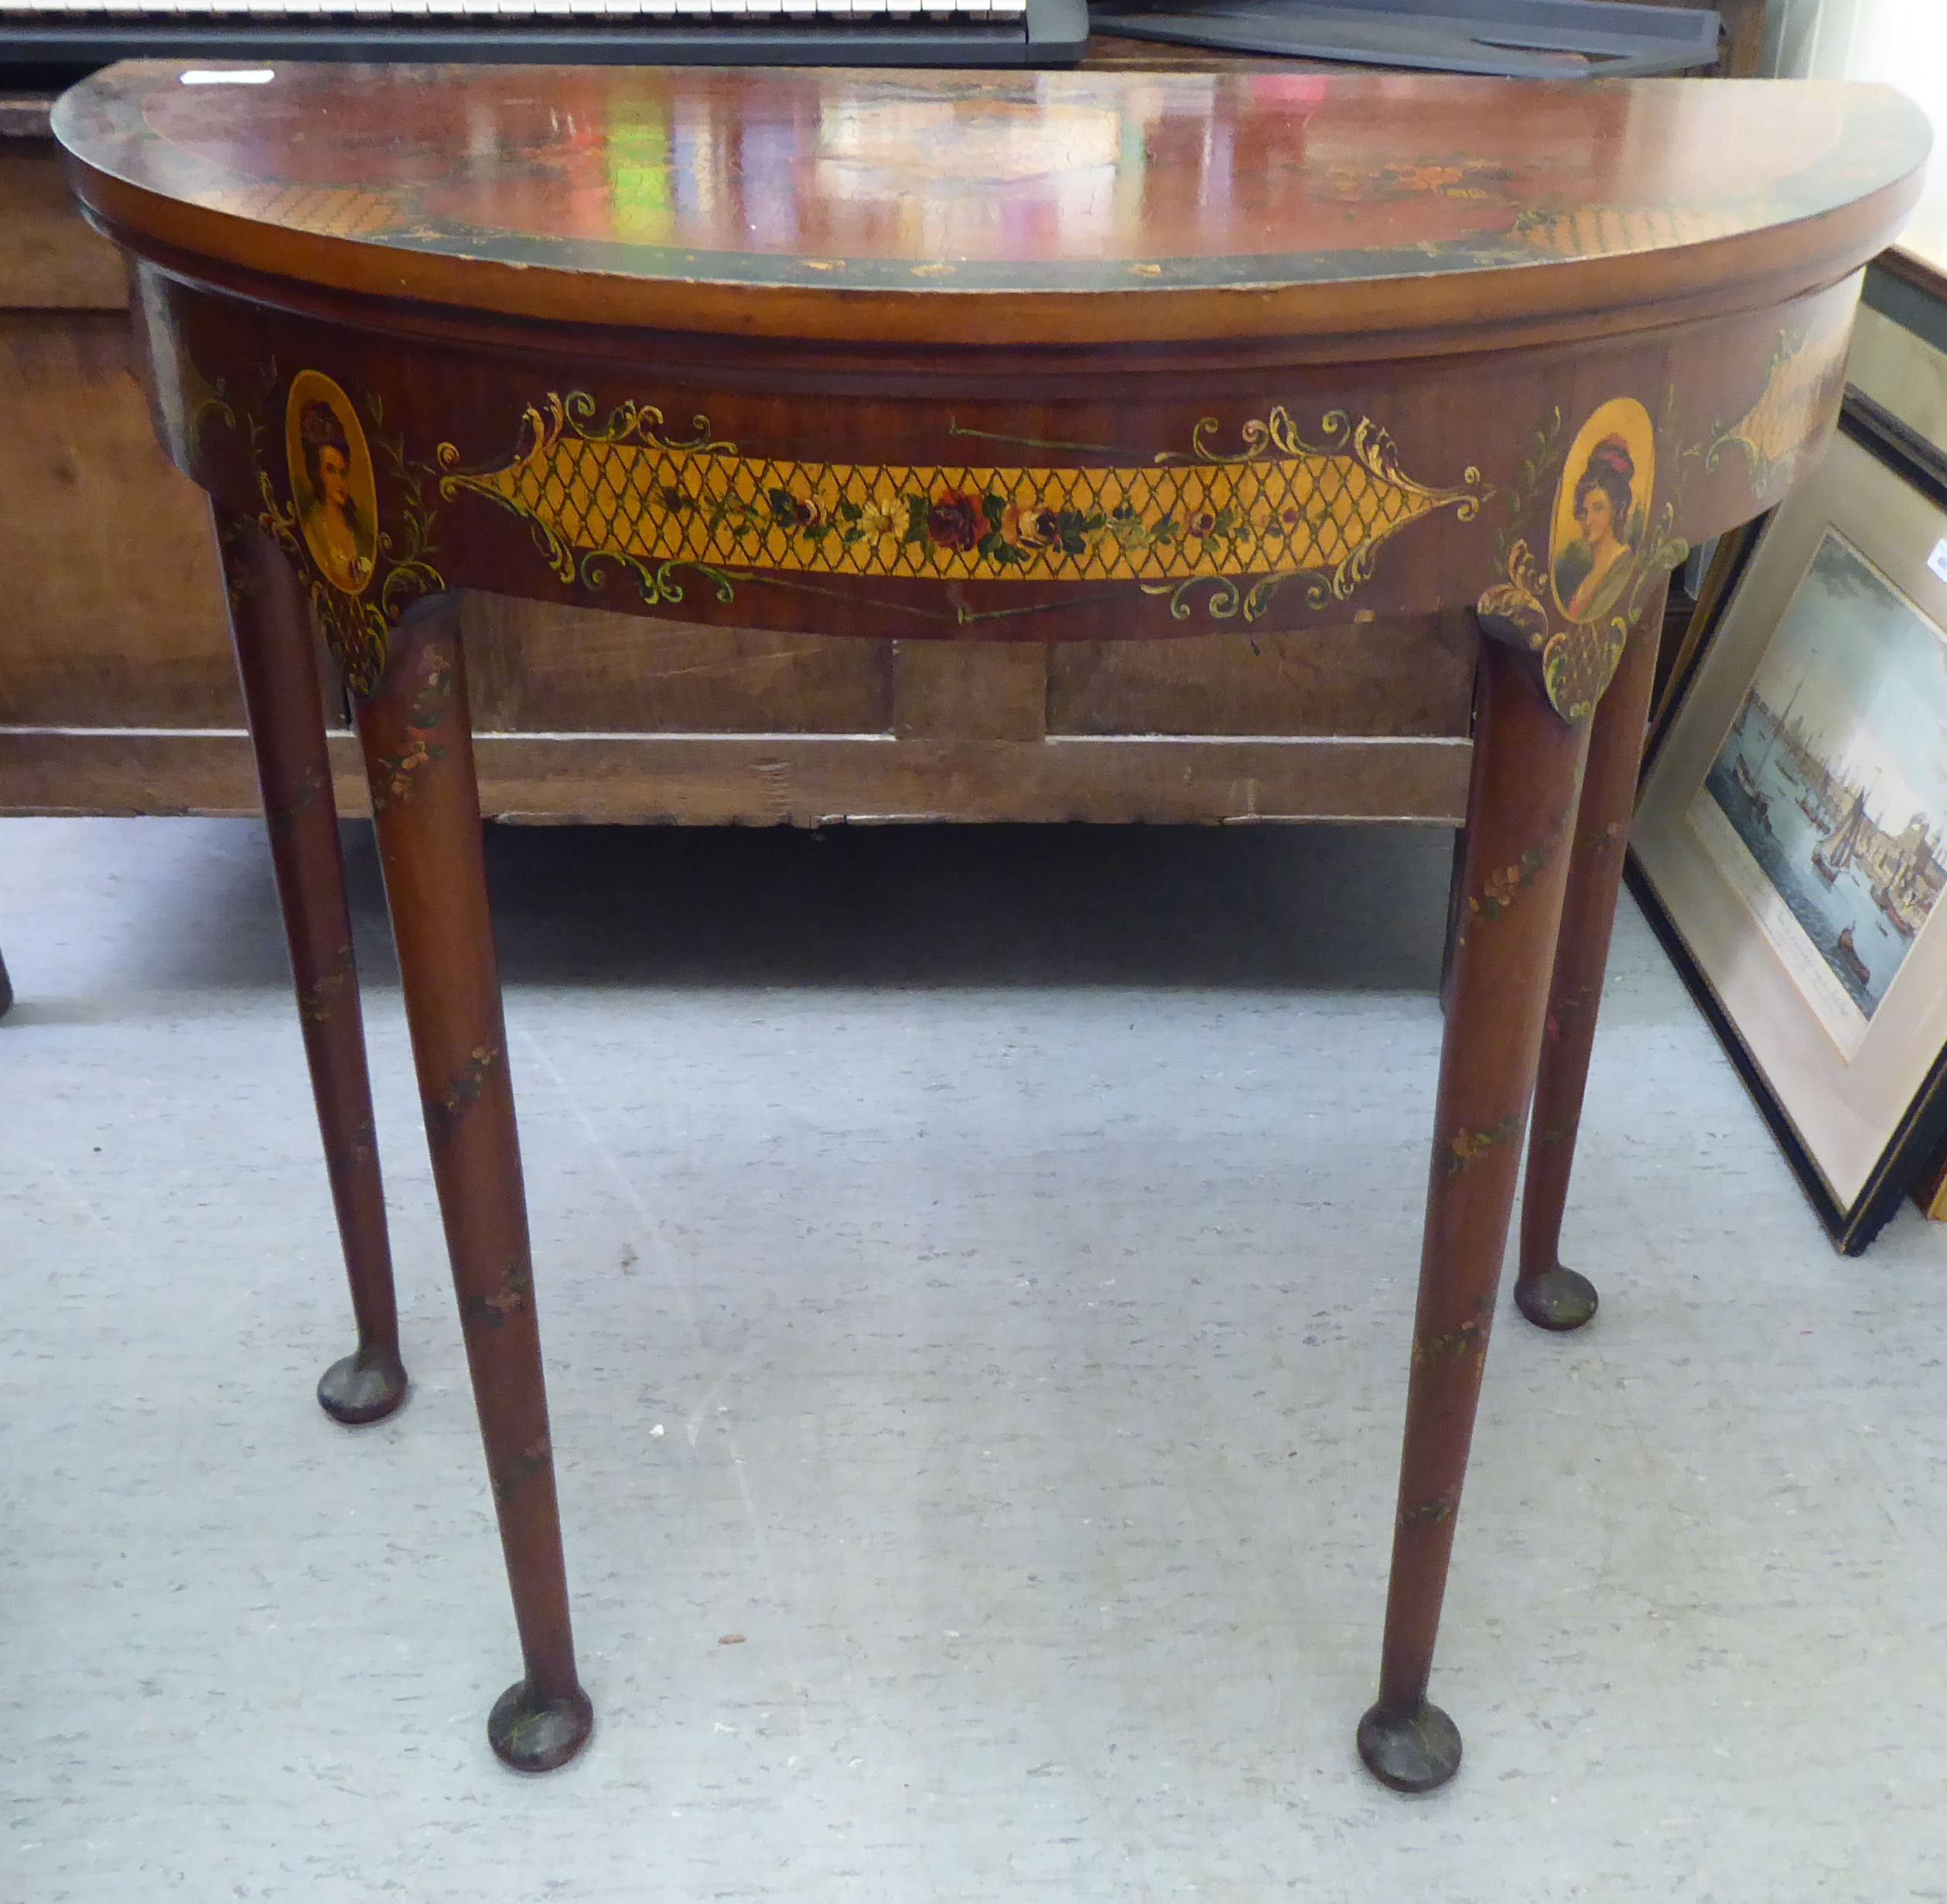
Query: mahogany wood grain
277, 662
1521, 815
971, 368
1547, 1293
415, 731
1373, 206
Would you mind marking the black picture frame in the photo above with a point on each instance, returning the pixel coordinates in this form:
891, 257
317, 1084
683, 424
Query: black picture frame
1916, 1127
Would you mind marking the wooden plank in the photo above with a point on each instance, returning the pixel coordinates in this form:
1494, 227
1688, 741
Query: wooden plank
50, 260
968, 691
117, 619
790, 780
538, 667
1409, 677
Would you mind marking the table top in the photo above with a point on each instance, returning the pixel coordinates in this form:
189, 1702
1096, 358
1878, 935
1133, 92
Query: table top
1075, 206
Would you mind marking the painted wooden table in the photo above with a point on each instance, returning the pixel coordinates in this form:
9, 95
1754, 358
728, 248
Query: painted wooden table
975, 358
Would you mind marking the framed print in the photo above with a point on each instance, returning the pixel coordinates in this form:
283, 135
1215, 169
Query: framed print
1790, 845
1682, 649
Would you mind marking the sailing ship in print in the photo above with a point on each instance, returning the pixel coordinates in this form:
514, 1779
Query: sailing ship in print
1834, 854
1847, 953
1833, 776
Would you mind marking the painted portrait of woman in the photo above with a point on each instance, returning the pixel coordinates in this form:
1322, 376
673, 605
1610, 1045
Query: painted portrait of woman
331, 483
1593, 569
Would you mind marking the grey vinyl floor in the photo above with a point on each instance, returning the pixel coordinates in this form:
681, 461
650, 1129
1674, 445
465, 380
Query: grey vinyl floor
975, 1270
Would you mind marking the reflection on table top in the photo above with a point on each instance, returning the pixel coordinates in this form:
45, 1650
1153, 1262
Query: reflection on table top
1062, 183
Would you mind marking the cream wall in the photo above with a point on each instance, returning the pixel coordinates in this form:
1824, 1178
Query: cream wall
1902, 41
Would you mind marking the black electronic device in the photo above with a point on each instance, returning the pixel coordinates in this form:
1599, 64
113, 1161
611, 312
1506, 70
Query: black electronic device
1513, 39
81, 34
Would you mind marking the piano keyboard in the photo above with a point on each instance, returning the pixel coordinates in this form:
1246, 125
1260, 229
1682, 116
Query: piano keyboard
647, 32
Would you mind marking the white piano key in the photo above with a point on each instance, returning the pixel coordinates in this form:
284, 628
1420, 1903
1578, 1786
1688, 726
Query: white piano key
692, 9
842, 7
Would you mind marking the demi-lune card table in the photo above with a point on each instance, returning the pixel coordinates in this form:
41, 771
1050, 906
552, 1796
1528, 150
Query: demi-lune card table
975, 357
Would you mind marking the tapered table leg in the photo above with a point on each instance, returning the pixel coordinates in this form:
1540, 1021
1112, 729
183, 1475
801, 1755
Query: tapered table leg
419, 761
270, 621
1545, 1292
1520, 808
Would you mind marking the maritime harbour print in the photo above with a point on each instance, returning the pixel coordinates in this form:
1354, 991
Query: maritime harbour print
1602, 511
332, 485
1827, 804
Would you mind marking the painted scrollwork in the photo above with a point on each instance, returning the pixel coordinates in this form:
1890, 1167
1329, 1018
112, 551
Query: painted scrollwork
360, 589
604, 495
1609, 541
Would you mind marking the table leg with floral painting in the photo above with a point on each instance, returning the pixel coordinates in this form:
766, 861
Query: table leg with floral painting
1520, 808
277, 661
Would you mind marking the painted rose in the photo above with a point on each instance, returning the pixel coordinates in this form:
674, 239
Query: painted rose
954, 519
1030, 526
793, 512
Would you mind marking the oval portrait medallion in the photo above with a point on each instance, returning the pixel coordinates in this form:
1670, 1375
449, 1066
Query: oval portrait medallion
1602, 510
331, 481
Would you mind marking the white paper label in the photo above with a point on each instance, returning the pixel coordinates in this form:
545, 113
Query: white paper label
1938, 561
250, 75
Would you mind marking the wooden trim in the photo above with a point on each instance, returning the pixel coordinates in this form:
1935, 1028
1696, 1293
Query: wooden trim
1930, 1192
27, 115
1912, 269
793, 779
